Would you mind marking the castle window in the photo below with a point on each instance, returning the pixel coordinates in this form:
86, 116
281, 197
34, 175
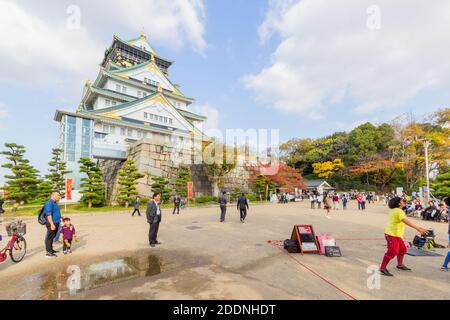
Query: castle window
114, 103
139, 93
107, 102
124, 89
122, 131
118, 87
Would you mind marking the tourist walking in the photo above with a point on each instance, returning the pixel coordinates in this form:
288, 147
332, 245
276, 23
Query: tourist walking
312, 198
344, 201
52, 214
176, 203
242, 206
328, 203
319, 201
336, 201
154, 219
223, 206
394, 236
136, 207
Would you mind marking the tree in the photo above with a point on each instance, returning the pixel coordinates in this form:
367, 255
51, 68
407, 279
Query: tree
160, 185
219, 160
184, 176
44, 189
328, 168
58, 171
93, 189
128, 177
286, 177
23, 180
441, 185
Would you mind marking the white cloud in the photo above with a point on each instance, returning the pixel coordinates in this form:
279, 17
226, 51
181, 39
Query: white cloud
3, 111
328, 55
39, 49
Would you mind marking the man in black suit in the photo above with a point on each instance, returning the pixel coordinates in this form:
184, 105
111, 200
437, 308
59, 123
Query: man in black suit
176, 203
154, 219
242, 206
223, 206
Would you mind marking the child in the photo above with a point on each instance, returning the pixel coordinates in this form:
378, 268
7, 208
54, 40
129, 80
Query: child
68, 233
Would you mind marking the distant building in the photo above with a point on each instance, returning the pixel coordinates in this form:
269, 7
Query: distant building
319, 186
131, 99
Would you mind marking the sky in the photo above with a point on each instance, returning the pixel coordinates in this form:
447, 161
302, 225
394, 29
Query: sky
307, 68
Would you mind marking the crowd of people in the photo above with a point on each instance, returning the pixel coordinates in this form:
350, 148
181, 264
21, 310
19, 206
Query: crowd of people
394, 233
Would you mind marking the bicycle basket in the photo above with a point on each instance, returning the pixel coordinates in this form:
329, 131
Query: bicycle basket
11, 228
19, 228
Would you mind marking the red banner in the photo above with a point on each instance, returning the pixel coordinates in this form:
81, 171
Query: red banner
190, 189
69, 184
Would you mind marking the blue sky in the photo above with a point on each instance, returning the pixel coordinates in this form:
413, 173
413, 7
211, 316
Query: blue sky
307, 68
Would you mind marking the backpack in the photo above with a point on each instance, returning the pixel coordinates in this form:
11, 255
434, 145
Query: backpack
41, 216
291, 246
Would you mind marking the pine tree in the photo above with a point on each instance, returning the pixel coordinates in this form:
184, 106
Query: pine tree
184, 176
128, 177
93, 189
160, 186
441, 185
44, 189
22, 183
58, 170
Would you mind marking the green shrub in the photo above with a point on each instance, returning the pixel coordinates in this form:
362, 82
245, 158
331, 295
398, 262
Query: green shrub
205, 199
252, 197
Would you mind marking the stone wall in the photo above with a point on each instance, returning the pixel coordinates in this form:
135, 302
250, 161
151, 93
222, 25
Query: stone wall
161, 160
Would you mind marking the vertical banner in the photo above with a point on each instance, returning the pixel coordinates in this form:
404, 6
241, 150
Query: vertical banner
190, 189
69, 184
5, 192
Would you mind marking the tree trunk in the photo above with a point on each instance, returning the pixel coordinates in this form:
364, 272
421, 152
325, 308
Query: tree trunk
90, 204
126, 204
215, 188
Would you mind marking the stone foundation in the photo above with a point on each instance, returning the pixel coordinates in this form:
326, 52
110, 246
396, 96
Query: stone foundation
161, 160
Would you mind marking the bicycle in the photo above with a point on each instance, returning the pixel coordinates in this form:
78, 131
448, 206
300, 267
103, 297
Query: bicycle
17, 245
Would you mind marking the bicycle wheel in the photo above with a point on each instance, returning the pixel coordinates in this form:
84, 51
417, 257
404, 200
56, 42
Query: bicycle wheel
18, 250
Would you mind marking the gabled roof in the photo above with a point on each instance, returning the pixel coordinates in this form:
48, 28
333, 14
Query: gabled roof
142, 38
111, 111
103, 74
315, 183
150, 65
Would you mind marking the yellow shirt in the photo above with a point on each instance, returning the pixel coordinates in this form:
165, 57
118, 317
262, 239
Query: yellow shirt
396, 227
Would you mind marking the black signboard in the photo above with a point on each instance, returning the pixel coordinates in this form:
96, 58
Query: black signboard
333, 252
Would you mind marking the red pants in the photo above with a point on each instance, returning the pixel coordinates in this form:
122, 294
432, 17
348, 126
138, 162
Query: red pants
395, 248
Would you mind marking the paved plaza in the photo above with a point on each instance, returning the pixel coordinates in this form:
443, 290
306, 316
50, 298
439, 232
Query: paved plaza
201, 258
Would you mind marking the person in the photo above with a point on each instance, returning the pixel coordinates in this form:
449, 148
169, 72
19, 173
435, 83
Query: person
1, 205
319, 201
430, 212
363, 202
242, 206
336, 201
223, 206
344, 201
394, 236
68, 233
327, 202
359, 198
154, 219
136, 207
447, 259
52, 214
312, 198
176, 203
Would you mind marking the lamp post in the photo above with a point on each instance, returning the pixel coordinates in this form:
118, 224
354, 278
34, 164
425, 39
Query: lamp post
427, 170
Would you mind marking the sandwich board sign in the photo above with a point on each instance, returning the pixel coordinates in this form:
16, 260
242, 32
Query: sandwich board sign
306, 238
